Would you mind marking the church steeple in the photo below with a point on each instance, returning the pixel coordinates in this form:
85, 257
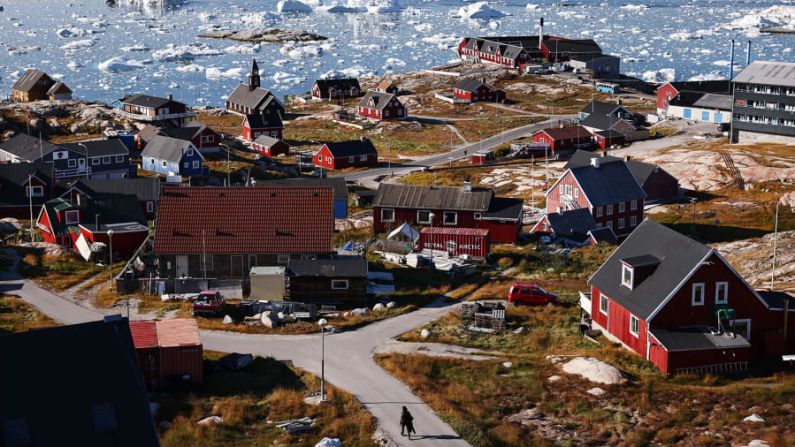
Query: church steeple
253, 76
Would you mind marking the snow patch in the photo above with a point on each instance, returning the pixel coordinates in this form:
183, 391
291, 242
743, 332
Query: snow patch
479, 10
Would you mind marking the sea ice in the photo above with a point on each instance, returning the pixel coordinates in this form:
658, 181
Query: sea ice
479, 10
292, 6
215, 73
173, 53
119, 64
77, 45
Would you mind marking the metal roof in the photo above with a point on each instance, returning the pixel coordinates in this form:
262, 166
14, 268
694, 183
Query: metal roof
697, 339
178, 332
714, 101
145, 188
147, 101
608, 184
29, 79
338, 184
99, 148
166, 148
343, 267
26, 147
452, 198
768, 73
380, 99
351, 148
455, 231
256, 99
573, 224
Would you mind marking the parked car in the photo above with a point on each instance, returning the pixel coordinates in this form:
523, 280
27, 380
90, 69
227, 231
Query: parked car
208, 303
530, 294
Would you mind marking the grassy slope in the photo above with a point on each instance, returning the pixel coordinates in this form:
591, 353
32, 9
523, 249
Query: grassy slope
18, 316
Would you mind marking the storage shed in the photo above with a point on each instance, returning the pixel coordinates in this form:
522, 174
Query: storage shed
456, 241
267, 283
168, 350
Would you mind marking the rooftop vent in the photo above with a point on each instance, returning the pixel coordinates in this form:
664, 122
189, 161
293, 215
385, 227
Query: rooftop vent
595, 162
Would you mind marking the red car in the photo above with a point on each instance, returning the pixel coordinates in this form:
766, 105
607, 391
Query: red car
209, 303
530, 294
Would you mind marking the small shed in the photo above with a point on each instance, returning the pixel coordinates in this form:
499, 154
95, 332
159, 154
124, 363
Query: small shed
481, 157
267, 283
168, 350
337, 281
456, 241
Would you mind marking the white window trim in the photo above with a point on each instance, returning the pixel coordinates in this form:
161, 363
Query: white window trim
622, 207
69, 221
282, 259
72, 163
95, 161
632, 318
633, 205
34, 191
338, 285
620, 223
693, 289
624, 269
106, 160
607, 304
120, 159
609, 210
599, 211
717, 289
455, 218
150, 207
633, 221
478, 216
744, 320
383, 219
424, 222
195, 164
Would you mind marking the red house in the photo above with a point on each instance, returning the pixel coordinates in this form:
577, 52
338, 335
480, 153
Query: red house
326, 89
82, 222
607, 190
682, 306
474, 90
346, 154
563, 139
607, 138
168, 351
656, 182
381, 106
670, 90
256, 125
269, 146
447, 206
24, 187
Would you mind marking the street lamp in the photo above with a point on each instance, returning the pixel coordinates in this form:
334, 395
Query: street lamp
110, 258
226, 146
322, 323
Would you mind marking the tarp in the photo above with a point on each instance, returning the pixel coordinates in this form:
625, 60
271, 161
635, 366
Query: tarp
404, 232
380, 276
83, 248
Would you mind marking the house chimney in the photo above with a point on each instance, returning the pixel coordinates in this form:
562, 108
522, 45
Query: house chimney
541, 34
96, 221
595, 162
467, 185
170, 97
362, 138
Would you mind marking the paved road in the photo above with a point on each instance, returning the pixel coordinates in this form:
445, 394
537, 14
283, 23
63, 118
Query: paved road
349, 363
459, 152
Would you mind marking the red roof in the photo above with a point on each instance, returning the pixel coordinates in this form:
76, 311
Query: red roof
165, 333
567, 133
240, 220
455, 230
144, 334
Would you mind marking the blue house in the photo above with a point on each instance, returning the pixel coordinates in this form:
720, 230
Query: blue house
167, 155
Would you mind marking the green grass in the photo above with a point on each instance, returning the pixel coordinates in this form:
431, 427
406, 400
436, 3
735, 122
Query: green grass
18, 316
57, 272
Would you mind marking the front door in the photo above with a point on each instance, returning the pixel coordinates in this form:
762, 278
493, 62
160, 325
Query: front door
182, 266
81, 164
742, 327
237, 266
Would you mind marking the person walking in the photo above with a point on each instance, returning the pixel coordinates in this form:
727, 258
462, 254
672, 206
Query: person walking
406, 422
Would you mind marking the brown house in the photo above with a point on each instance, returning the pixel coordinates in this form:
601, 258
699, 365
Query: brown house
156, 110
36, 85
338, 281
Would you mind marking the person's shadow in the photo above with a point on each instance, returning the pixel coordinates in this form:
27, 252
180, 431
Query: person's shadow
439, 437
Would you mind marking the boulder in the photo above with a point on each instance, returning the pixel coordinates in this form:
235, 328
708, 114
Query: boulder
425, 333
596, 391
228, 320
525, 416
212, 420
554, 378
329, 442
519, 330
507, 364
594, 370
754, 418
360, 312
378, 307
391, 305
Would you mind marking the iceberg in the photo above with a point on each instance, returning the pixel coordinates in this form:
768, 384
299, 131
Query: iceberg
119, 64
78, 45
292, 6
174, 53
215, 74
479, 10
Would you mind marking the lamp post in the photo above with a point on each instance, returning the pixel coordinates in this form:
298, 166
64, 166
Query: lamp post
226, 146
86, 149
110, 259
322, 323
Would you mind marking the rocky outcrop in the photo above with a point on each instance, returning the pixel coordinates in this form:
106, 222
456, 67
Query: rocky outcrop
753, 258
266, 35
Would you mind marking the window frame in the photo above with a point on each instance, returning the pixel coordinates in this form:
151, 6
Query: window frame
30, 191
150, 206
636, 321
391, 219
444, 218
693, 288
69, 221
599, 211
347, 284
633, 205
725, 299
429, 221
196, 164
609, 209
603, 299
95, 161
624, 270
622, 207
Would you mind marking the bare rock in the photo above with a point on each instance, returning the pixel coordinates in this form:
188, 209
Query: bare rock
425, 333
212, 420
594, 370
266, 35
754, 418
596, 391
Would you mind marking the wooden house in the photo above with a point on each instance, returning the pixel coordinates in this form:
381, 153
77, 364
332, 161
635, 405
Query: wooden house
161, 112
257, 125
171, 156
35, 85
563, 140
203, 138
669, 91
379, 106
24, 188
388, 86
476, 90
251, 99
346, 154
447, 206
168, 351
146, 189
681, 305
338, 281
270, 146
197, 236
327, 89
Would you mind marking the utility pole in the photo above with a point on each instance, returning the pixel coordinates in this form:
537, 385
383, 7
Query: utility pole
30, 203
775, 246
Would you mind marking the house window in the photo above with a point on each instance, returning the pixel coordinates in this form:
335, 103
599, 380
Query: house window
120, 159
165, 164
72, 163
627, 275
351, 159
721, 292
339, 284
424, 217
698, 294
95, 161
150, 207
450, 218
189, 152
599, 211
105, 160
186, 165
72, 217
633, 221
152, 161
283, 259
568, 190
633, 205
195, 164
603, 305
477, 216
363, 157
208, 138
622, 207
609, 209
34, 191
560, 189
621, 223
634, 325
328, 159
576, 193
387, 215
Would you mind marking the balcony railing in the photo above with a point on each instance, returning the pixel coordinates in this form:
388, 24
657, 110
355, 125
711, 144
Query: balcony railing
73, 172
170, 116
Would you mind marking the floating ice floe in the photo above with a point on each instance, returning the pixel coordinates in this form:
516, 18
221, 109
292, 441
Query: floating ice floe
78, 45
287, 78
191, 68
635, 8
479, 10
16, 51
173, 53
661, 75
256, 19
294, 51
242, 49
215, 73
531, 7
119, 64
292, 6
135, 48
66, 33
423, 27
714, 76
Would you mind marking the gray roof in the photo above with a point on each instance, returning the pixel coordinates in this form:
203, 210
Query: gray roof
380, 99
716, 86
145, 188
351, 148
57, 86
470, 84
166, 148
28, 79
336, 183
264, 120
604, 122
609, 183
777, 299
769, 73
258, 98
27, 147
697, 339
573, 224
714, 101
187, 132
343, 267
602, 108
394, 195
147, 101
504, 208
678, 255
99, 148
640, 170
604, 234
266, 140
